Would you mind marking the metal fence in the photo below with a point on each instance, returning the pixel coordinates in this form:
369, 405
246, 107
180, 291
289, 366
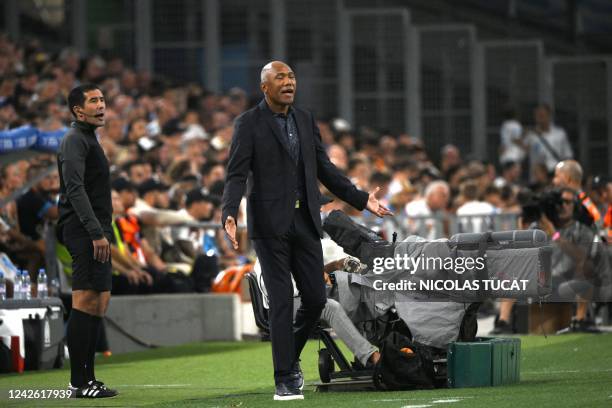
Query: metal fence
580, 91
447, 86
374, 68
441, 225
511, 77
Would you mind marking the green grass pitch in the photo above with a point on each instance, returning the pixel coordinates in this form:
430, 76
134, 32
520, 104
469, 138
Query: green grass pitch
558, 371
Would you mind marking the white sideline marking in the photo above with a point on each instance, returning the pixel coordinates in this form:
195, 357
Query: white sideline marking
416, 406
153, 385
444, 401
420, 399
600, 370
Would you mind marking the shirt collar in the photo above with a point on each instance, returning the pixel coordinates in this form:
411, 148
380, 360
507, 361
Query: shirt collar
88, 127
278, 115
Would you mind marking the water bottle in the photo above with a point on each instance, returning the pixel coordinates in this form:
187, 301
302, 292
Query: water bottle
210, 246
17, 287
26, 285
43, 288
2, 287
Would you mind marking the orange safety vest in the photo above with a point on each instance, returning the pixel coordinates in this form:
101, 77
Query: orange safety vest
590, 206
130, 230
607, 223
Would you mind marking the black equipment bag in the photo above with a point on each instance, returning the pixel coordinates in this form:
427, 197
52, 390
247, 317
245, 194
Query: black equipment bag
44, 335
44, 340
403, 365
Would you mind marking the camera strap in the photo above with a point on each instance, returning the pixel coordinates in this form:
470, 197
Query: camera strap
549, 147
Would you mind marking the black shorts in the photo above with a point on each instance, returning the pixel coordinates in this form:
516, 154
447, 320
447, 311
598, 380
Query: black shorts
87, 273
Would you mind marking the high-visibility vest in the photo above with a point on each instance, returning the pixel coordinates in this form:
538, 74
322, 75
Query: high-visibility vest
590, 207
607, 223
130, 230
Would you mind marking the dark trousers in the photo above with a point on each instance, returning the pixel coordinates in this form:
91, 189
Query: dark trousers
299, 253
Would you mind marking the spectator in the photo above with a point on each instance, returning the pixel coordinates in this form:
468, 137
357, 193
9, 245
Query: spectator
451, 157
511, 148
129, 277
212, 171
547, 142
200, 244
437, 195
473, 206
511, 174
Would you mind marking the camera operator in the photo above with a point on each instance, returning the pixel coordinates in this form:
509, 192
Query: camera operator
577, 255
568, 174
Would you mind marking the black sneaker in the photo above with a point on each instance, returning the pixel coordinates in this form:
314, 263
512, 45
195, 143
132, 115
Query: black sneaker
286, 392
501, 327
297, 376
93, 389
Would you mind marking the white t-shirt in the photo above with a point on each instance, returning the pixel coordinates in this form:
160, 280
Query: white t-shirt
429, 228
476, 224
539, 153
511, 131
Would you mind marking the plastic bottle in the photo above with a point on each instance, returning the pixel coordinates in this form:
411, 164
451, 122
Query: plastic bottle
210, 246
2, 287
43, 288
17, 287
27, 285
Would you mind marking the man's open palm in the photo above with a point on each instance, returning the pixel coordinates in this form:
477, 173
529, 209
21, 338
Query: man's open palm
375, 207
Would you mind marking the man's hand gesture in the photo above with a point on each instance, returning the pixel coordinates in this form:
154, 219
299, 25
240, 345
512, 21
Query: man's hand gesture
230, 230
375, 207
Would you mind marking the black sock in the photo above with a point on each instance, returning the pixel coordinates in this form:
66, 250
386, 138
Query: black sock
77, 336
94, 332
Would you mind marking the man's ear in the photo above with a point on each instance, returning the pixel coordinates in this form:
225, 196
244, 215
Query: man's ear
263, 86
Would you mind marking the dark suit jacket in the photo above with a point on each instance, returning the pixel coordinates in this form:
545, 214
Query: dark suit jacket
260, 152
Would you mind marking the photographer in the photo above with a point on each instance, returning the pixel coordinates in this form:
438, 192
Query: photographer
577, 255
568, 174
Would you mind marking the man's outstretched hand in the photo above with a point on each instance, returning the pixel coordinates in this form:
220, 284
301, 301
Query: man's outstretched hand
375, 207
230, 230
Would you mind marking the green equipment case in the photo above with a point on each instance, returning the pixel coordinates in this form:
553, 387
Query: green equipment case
488, 361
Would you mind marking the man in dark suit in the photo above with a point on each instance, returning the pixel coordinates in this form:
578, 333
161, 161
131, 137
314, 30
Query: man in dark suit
280, 146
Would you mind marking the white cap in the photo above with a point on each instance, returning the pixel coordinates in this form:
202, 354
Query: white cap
194, 132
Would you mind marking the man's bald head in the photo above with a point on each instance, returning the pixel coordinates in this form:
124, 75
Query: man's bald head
568, 173
271, 67
278, 85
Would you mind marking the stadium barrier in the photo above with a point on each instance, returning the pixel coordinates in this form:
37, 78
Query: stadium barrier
138, 322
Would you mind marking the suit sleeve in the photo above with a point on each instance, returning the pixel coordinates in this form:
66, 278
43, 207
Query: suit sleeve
74, 154
333, 179
238, 166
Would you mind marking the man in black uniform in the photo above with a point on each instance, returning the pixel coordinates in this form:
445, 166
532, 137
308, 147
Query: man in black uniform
85, 228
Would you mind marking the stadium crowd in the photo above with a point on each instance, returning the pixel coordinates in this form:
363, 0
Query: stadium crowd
168, 143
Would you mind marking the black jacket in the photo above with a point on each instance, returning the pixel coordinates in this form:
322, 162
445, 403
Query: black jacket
259, 151
85, 191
